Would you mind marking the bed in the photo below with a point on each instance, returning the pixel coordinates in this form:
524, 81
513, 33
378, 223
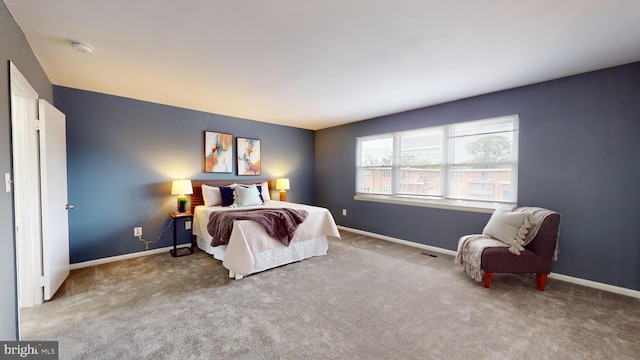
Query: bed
250, 249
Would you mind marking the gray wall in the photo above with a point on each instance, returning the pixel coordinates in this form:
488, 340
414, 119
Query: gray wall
578, 156
13, 47
123, 154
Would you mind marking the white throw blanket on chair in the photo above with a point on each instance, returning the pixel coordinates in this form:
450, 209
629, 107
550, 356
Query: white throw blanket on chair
470, 247
469, 255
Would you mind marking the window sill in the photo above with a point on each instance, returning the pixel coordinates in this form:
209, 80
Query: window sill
448, 204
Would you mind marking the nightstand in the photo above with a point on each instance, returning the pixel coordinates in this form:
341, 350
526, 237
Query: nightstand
177, 216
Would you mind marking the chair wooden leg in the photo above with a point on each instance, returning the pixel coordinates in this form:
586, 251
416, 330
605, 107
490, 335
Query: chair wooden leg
487, 279
541, 281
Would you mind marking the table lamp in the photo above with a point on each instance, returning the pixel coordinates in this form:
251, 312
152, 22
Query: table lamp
282, 184
181, 188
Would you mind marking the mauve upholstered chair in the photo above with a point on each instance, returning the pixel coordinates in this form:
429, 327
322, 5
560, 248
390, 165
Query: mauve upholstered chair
536, 258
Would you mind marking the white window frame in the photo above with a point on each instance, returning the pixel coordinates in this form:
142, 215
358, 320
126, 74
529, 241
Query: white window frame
444, 202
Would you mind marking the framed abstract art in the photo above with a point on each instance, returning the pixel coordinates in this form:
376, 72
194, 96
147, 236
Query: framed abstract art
218, 152
248, 151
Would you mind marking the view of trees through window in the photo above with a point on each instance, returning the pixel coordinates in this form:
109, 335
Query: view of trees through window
470, 161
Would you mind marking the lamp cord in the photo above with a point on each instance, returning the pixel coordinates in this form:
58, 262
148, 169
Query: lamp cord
147, 242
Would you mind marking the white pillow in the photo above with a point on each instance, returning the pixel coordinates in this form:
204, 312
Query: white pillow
211, 195
246, 196
509, 227
265, 191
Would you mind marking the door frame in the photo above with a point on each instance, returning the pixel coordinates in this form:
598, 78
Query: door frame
26, 187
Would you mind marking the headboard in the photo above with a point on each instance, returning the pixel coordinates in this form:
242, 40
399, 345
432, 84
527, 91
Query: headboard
196, 197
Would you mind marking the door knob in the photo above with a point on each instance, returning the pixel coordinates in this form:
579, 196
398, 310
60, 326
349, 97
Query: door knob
69, 206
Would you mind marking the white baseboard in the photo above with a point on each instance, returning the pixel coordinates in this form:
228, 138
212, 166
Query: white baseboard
122, 257
570, 279
399, 241
596, 285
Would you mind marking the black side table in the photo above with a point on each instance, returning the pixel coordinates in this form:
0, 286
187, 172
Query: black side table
175, 216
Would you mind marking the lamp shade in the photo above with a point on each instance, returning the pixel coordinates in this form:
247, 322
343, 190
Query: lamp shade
181, 187
282, 184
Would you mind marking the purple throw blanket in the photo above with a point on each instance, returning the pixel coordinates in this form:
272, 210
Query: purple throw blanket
280, 224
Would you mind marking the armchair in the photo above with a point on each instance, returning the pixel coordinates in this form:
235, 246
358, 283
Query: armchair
536, 258
524, 240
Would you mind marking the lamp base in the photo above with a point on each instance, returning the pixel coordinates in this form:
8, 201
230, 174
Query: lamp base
283, 195
182, 204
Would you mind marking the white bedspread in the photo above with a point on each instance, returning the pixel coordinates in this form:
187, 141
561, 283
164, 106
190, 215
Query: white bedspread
248, 238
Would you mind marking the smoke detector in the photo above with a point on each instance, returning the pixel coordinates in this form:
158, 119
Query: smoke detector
80, 46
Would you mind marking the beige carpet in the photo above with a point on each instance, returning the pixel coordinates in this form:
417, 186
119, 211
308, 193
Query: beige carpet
367, 299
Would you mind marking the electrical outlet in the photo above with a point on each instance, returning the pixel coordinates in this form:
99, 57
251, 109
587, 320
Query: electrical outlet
187, 225
137, 231
344, 212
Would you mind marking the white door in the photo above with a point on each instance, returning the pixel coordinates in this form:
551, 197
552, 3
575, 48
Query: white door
53, 188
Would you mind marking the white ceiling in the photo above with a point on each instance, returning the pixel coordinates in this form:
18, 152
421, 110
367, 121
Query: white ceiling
318, 63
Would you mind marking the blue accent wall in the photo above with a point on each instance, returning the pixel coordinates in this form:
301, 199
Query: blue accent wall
578, 155
123, 154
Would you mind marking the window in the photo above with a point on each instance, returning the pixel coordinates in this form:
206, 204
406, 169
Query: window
474, 161
420, 155
375, 158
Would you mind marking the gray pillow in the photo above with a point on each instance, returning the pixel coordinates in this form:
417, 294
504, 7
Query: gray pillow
509, 227
246, 196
